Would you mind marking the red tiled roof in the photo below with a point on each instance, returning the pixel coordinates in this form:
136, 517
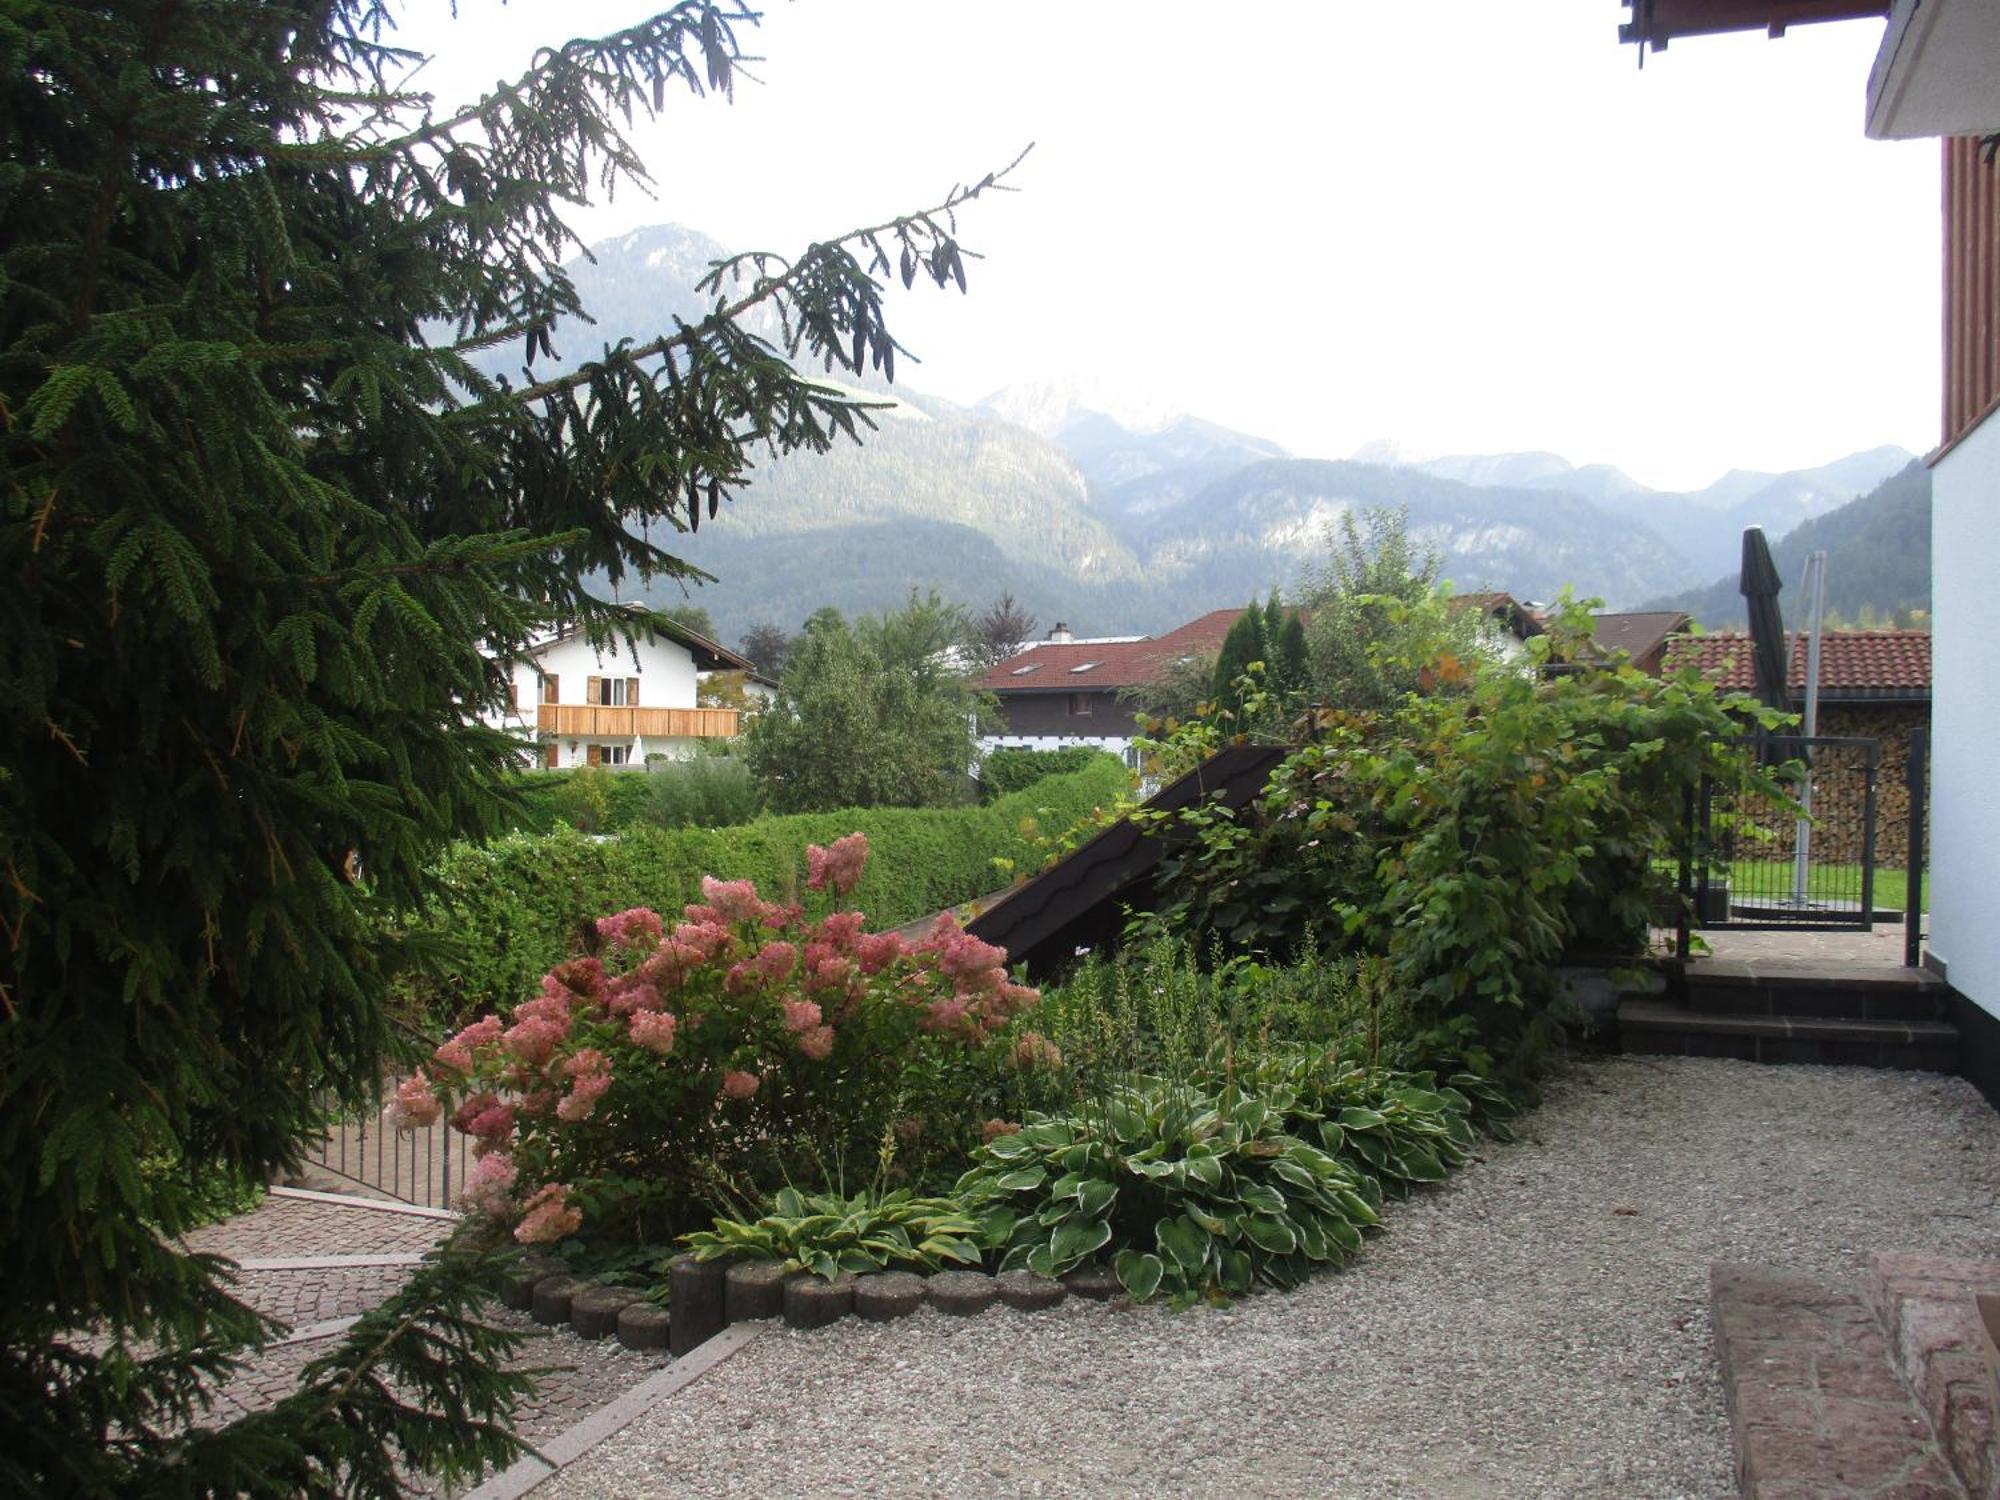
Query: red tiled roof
1061, 666
1856, 663
1073, 667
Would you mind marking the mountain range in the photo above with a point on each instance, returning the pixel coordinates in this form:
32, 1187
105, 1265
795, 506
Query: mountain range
1117, 524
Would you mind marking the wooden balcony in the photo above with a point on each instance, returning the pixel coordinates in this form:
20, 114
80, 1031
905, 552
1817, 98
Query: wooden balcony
592, 721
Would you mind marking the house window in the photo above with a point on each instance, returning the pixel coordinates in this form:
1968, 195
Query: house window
613, 692
1079, 705
608, 755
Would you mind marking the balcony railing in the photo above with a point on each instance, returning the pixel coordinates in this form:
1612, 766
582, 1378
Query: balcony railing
594, 721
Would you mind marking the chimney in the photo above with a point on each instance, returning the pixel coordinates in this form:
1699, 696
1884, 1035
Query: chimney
1060, 635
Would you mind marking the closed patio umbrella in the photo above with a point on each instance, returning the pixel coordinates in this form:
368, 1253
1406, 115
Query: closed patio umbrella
1759, 586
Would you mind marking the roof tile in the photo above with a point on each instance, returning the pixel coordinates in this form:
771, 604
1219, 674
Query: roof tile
1876, 663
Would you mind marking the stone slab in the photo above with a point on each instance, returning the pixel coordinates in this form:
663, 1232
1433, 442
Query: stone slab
1928, 1305
1815, 1405
1027, 1292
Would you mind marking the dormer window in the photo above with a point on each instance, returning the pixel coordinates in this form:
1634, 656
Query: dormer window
1033, 666
1089, 666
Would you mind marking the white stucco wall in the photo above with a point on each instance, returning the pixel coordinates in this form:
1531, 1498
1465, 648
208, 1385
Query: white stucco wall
1965, 715
666, 674
1116, 744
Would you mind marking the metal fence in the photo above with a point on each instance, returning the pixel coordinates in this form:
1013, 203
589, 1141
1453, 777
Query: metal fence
427, 1167
1757, 861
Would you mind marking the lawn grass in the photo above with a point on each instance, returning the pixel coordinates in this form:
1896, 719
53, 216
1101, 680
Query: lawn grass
1753, 878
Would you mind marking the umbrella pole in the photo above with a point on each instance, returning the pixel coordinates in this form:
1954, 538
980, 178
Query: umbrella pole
1815, 592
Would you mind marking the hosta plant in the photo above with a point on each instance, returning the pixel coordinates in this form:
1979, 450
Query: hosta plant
1188, 1194
1400, 1129
827, 1234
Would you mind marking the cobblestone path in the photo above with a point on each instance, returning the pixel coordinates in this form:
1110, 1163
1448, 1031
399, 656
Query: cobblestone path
578, 1376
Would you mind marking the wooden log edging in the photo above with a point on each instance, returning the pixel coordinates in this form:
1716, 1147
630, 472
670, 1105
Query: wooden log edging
707, 1297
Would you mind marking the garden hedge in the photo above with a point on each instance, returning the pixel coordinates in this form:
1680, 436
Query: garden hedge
509, 910
1004, 771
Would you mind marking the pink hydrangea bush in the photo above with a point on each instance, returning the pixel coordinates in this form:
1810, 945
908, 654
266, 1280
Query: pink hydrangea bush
685, 1062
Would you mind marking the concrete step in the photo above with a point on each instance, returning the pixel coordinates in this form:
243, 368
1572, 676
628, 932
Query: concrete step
1861, 992
1815, 1405
1661, 1027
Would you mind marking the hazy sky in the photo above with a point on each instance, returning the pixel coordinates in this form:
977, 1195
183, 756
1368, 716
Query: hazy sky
1461, 225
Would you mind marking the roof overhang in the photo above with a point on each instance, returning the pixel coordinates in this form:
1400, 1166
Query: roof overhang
1936, 71
1654, 23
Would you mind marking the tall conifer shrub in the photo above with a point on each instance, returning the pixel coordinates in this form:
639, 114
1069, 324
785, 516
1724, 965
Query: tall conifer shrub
259, 512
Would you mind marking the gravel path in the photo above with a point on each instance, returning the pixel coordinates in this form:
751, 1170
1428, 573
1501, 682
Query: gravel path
1539, 1327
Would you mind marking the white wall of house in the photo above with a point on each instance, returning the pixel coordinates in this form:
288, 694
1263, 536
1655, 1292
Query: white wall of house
1965, 715
665, 673
1118, 745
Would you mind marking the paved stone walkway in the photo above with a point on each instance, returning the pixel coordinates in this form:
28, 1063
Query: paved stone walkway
348, 1241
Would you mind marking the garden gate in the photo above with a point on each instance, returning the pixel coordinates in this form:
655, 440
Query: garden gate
427, 1167
1752, 862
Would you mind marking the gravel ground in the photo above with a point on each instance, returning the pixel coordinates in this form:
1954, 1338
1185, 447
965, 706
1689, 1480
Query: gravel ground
1538, 1327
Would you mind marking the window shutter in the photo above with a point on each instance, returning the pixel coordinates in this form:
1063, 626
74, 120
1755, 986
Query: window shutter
554, 756
593, 690
514, 696
552, 688
632, 691
594, 755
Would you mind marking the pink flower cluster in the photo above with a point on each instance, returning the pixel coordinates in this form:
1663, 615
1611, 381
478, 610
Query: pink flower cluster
837, 868
736, 994
982, 998
548, 1216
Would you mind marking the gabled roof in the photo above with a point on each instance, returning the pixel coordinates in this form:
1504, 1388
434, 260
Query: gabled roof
1072, 667
1636, 632
1505, 608
1854, 665
708, 655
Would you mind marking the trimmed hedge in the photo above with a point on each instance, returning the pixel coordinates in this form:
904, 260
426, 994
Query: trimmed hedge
590, 798
509, 910
1005, 771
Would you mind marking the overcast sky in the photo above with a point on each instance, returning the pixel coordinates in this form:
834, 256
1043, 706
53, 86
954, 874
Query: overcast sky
1460, 225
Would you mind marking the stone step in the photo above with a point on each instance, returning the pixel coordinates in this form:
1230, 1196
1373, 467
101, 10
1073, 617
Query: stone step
1661, 1027
1815, 1405
1861, 992
1927, 1304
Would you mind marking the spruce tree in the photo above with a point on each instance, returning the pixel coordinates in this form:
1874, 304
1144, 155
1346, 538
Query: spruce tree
259, 514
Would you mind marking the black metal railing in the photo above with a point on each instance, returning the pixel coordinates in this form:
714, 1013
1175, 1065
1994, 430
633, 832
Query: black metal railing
1756, 861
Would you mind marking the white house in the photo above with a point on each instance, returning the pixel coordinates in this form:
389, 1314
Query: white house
1937, 74
618, 705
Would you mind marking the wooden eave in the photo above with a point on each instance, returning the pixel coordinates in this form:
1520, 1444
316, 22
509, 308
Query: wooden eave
1654, 23
1079, 899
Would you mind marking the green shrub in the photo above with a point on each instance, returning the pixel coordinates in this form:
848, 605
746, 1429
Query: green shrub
1006, 771
506, 912
588, 799
1465, 838
1184, 1192
703, 791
